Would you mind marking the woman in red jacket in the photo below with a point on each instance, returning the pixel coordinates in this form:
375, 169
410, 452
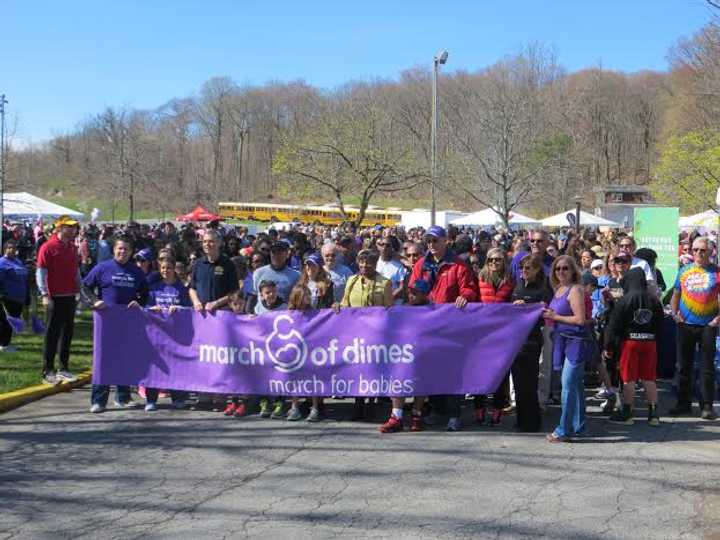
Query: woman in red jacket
496, 285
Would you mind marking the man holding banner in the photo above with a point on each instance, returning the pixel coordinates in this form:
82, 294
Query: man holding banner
451, 281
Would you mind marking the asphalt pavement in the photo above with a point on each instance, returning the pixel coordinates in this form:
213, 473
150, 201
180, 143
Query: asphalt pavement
191, 474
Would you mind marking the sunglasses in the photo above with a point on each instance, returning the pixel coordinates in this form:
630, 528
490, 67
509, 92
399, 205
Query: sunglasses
699, 250
536, 241
494, 260
528, 267
562, 268
621, 261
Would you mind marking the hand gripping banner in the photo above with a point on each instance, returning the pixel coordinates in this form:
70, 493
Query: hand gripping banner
400, 351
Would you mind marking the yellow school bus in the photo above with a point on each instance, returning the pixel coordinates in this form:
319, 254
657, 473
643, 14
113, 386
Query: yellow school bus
327, 215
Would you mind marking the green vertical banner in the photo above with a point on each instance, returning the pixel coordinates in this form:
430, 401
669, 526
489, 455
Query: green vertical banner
657, 228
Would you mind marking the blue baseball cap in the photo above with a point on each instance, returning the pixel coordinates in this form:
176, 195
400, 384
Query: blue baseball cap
437, 231
314, 258
421, 286
145, 255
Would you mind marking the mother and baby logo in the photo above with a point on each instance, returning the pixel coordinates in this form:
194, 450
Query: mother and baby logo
288, 350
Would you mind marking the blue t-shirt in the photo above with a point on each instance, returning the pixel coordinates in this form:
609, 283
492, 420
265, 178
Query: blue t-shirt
339, 276
117, 284
13, 279
285, 279
165, 295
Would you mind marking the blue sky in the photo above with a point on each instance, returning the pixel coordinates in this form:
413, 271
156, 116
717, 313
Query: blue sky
61, 62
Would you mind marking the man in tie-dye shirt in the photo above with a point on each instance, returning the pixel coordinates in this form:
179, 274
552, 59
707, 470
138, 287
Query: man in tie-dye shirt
695, 308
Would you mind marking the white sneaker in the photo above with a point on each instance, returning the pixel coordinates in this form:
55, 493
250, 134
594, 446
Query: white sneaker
97, 408
294, 414
9, 349
150, 406
453, 424
51, 379
66, 376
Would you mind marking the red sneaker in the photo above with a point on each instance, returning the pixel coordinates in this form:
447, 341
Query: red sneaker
480, 415
240, 410
416, 423
393, 425
496, 416
229, 409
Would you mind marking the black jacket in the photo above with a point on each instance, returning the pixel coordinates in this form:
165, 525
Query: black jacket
638, 315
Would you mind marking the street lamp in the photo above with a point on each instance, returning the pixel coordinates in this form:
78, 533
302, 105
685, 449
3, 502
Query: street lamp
3, 163
439, 59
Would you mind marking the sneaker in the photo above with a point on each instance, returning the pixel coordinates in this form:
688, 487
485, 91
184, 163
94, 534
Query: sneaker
708, 413
150, 406
496, 416
453, 424
96, 408
416, 423
393, 425
265, 408
293, 414
51, 379
178, 405
680, 410
510, 409
622, 416
653, 418
277, 412
358, 412
604, 394
8, 349
127, 404
230, 409
314, 415
608, 406
66, 376
480, 415
240, 410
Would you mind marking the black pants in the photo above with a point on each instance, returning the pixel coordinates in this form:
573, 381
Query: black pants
14, 309
60, 326
688, 337
501, 396
525, 372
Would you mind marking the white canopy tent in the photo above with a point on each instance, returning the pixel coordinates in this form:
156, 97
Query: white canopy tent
709, 218
586, 219
23, 205
489, 217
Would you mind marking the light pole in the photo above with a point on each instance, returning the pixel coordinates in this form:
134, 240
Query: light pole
439, 59
3, 161
578, 204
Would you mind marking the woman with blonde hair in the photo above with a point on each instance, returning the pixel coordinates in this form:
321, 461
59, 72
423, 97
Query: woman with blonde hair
571, 345
496, 286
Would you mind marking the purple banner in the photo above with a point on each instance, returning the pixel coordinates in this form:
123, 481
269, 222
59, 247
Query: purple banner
400, 351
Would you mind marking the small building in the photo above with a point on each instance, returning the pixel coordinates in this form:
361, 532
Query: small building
618, 203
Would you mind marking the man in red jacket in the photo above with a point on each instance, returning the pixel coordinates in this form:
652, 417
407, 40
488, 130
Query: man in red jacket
451, 281
58, 280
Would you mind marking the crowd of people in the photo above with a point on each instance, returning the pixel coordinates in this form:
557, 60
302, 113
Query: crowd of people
604, 298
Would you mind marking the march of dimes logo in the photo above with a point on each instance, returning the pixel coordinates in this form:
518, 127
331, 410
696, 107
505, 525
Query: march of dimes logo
285, 346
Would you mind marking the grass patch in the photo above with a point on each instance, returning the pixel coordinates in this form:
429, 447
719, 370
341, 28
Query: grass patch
22, 369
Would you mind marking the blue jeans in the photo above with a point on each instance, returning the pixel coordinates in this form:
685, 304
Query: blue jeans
101, 392
572, 397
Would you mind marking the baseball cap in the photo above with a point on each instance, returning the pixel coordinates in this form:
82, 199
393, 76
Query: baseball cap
437, 231
145, 255
279, 245
314, 258
421, 286
588, 279
597, 263
65, 220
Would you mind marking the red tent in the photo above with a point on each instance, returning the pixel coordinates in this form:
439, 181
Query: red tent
199, 214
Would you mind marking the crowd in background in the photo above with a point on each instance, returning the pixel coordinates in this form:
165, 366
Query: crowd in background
605, 298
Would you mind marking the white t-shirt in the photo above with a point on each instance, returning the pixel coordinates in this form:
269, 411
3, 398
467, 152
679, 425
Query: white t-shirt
394, 271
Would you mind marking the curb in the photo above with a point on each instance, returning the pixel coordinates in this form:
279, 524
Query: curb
17, 398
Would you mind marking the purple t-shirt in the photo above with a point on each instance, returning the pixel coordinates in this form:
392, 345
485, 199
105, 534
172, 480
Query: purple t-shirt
164, 295
117, 284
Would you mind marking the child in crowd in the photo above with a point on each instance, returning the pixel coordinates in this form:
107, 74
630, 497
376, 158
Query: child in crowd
236, 406
270, 301
417, 296
301, 300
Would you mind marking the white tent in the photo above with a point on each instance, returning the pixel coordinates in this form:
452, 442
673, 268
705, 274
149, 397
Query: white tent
586, 219
24, 205
490, 217
709, 218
